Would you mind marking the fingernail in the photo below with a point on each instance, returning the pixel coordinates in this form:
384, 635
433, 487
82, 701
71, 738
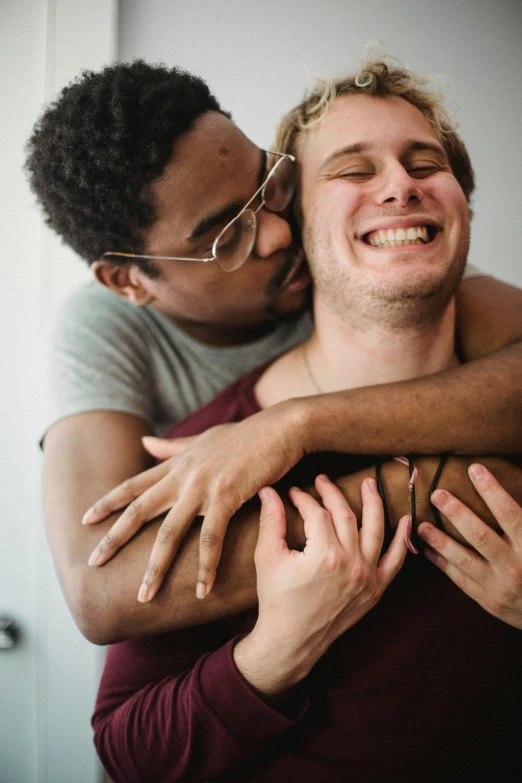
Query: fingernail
143, 595
263, 496
476, 471
96, 557
440, 497
407, 533
322, 477
371, 484
201, 590
427, 533
87, 516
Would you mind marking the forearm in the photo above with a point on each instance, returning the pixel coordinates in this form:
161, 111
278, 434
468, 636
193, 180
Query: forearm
453, 478
103, 601
205, 733
84, 457
473, 409
176, 605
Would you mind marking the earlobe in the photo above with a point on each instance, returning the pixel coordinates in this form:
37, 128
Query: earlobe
124, 279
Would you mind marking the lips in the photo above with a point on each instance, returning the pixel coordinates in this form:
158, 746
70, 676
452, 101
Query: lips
298, 277
294, 274
421, 234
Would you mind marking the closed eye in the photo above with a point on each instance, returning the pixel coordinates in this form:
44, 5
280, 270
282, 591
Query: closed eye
419, 172
356, 175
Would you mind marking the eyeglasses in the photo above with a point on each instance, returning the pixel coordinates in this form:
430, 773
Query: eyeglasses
235, 242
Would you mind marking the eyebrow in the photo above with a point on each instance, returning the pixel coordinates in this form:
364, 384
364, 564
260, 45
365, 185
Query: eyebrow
429, 146
355, 149
226, 213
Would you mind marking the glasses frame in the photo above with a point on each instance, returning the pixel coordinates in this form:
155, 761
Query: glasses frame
214, 257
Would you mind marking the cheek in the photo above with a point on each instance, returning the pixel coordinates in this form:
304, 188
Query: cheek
455, 196
448, 192
189, 287
343, 206
461, 213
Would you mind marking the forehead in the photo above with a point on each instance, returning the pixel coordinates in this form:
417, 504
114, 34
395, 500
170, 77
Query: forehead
380, 124
212, 165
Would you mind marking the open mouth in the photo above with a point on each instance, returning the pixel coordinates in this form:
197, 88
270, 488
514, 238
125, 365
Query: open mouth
393, 237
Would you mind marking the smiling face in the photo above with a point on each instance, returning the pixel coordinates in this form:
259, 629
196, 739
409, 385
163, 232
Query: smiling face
213, 172
386, 224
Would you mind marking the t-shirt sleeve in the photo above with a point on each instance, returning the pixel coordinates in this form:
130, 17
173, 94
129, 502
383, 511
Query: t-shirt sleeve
192, 726
94, 357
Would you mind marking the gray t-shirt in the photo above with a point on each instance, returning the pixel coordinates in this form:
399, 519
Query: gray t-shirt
100, 352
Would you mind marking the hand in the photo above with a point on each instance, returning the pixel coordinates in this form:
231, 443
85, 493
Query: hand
213, 476
307, 599
491, 575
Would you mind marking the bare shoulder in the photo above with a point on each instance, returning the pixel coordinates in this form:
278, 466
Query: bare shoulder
489, 316
284, 379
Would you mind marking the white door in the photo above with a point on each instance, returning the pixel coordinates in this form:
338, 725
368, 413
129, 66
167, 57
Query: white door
48, 677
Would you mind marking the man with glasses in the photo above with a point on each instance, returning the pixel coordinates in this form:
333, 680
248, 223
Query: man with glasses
141, 160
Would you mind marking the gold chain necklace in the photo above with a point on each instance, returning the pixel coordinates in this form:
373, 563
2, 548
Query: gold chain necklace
308, 369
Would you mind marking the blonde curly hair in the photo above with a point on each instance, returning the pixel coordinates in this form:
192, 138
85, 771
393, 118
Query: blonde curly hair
381, 77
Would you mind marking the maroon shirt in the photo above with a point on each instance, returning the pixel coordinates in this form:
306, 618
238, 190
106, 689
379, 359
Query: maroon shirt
426, 687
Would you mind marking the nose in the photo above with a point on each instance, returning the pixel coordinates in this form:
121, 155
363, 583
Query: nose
273, 234
398, 187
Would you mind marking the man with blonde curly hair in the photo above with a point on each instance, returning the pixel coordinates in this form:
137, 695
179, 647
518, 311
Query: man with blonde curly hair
327, 681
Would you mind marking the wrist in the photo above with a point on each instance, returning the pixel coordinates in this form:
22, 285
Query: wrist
295, 422
271, 668
395, 479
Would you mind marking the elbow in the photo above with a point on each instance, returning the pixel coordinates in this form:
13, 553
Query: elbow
94, 630
90, 609
105, 748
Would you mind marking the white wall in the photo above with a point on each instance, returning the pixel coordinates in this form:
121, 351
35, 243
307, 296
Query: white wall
18, 325
48, 681
256, 56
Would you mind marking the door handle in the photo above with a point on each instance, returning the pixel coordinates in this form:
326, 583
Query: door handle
9, 632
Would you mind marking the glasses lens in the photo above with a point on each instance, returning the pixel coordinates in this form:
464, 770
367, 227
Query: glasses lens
235, 243
280, 188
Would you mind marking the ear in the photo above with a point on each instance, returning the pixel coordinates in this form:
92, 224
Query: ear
126, 280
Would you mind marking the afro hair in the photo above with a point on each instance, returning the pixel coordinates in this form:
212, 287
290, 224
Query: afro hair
96, 150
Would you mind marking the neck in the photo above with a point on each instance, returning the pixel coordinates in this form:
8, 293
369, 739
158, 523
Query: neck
345, 354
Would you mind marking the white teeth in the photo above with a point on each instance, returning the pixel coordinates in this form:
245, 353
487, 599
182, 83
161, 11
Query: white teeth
389, 237
395, 242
